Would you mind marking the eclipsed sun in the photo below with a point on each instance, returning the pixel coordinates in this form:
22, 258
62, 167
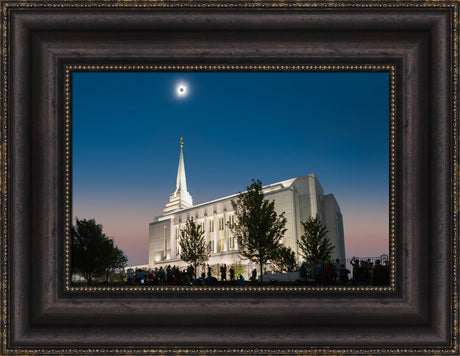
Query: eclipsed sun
181, 90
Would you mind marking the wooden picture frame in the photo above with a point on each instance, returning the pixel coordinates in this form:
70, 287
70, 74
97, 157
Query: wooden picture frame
41, 313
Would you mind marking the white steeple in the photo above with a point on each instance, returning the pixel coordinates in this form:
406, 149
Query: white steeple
181, 182
180, 198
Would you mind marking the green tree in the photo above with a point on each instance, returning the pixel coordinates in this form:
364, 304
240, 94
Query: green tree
193, 245
313, 244
113, 258
258, 228
93, 253
285, 260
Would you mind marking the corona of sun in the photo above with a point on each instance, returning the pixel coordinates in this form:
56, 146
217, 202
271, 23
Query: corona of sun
181, 90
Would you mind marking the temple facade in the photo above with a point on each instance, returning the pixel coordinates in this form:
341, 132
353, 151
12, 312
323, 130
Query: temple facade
299, 198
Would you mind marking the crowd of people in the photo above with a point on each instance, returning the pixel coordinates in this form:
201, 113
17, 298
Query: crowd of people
172, 275
368, 272
365, 272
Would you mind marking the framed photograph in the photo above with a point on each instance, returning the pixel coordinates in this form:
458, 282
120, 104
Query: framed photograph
147, 119
267, 122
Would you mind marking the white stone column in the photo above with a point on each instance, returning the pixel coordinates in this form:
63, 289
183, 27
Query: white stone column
225, 231
172, 239
165, 241
313, 196
215, 232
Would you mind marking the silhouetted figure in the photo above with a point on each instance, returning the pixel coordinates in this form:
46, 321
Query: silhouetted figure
150, 277
169, 274
356, 270
344, 274
378, 274
139, 276
303, 270
176, 278
232, 274
367, 273
155, 276
200, 281
190, 271
161, 276
253, 275
365, 270
142, 276
241, 280
184, 277
129, 274
223, 273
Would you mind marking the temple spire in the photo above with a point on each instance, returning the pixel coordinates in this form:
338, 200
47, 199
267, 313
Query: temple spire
181, 181
180, 198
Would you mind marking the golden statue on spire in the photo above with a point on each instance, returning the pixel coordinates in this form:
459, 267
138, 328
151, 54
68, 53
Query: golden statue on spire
181, 142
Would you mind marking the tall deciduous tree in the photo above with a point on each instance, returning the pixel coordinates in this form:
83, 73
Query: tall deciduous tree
313, 244
193, 245
113, 258
258, 228
285, 260
93, 253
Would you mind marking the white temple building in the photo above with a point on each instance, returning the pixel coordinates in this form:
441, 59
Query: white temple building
299, 198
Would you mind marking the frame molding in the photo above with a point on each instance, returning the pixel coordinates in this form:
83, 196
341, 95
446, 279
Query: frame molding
40, 314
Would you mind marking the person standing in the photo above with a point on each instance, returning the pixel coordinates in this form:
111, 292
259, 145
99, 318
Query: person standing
253, 275
356, 270
232, 274
344, 275
241, 280
223, 273
161, 277
130, 274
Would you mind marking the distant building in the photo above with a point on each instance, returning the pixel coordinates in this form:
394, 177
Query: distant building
299, 198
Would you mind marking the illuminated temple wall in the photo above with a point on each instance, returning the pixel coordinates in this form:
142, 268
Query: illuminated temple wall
299, 198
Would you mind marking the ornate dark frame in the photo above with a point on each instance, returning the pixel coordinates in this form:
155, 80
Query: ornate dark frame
40, 315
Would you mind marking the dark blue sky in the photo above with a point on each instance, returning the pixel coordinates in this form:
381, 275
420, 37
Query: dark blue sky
236, 126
